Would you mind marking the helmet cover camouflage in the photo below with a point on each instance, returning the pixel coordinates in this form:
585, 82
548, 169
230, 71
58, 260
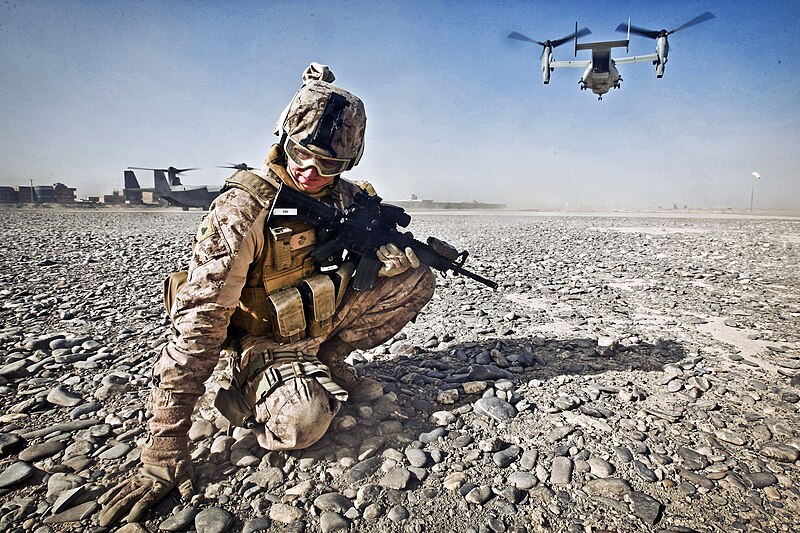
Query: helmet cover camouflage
307, 109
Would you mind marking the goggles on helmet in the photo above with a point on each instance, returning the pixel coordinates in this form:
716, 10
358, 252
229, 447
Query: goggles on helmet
304, 158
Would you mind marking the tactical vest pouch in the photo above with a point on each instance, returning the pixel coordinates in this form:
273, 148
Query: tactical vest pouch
319, 295
171, 286
288, 319
288, 261
281, 248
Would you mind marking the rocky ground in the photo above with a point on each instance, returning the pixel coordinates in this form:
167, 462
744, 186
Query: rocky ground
631, 374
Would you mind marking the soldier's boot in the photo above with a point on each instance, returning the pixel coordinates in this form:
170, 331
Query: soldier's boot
333, 353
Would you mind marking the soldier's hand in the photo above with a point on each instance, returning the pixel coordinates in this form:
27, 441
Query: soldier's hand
150, 485
395, 261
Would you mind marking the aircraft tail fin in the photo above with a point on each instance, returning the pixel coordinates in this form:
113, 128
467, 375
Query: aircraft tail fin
629, 35
161, 184
130, 180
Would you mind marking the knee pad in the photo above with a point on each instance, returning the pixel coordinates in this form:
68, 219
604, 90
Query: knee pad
295, 415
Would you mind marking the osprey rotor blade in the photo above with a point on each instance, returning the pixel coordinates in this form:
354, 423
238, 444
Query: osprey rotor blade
168, 169
697, 20
654, 34
644, 32
240, 166
518, 36
583, 32
179, 170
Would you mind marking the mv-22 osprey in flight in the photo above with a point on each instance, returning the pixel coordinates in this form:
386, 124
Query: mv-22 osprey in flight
601, 74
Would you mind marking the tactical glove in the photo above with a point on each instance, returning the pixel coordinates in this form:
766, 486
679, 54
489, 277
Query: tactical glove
395, 261
136, 495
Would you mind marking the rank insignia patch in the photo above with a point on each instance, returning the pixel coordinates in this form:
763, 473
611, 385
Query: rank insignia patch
206, 230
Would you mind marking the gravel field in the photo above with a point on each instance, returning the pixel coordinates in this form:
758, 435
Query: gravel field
631, 373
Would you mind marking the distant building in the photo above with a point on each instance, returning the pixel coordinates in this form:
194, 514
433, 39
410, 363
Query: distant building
417, 204
63, 194
40, 194
7, 195
25, 195
43, 194
132, 197
116, 198
150, 198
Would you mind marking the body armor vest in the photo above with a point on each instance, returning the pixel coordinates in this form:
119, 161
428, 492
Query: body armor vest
285, 296
283, 288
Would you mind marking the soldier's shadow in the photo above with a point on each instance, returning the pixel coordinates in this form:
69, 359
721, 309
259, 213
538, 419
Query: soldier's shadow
422, 383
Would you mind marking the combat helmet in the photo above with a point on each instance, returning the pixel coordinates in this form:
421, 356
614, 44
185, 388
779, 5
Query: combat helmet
324, 119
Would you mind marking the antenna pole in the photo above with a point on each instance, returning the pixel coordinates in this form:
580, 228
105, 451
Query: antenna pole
752, 189
32, 201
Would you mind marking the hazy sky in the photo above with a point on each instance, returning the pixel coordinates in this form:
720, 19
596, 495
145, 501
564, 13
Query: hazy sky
456, 111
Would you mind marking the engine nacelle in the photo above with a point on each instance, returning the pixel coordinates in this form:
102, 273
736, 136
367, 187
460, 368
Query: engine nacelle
547, 57
662, 51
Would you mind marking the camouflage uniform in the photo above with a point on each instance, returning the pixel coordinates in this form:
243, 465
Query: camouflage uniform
229, 249
203, 307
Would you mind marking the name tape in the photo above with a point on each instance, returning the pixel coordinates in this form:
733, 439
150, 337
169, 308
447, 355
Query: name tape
291, 211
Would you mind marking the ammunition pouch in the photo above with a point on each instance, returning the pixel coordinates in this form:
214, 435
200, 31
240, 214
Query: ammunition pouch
286, 314
341, 279
319, 295
292, 304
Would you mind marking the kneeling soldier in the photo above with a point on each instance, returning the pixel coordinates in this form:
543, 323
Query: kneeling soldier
253, 285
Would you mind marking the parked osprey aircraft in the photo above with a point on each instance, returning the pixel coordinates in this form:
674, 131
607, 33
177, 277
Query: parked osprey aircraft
600, 72
172, 190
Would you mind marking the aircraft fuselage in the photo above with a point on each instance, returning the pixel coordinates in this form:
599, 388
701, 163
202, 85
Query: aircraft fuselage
173, 192
601, 75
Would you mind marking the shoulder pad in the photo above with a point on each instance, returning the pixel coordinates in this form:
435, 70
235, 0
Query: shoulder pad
263, 189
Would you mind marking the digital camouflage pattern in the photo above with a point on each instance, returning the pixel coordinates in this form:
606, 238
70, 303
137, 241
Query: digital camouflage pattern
295, 416
306, 110
233, 238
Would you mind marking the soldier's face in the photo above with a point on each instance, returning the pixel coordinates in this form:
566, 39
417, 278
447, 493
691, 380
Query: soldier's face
308, 178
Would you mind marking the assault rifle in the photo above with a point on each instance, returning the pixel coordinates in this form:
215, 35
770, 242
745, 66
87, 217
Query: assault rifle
361, 229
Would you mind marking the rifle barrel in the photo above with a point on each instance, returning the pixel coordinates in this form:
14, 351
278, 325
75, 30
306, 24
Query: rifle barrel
476, 277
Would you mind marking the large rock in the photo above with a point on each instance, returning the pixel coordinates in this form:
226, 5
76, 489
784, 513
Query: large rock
213, 520
495, 408
647, 508
780, 452
488, 373
16, 473
610, 486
